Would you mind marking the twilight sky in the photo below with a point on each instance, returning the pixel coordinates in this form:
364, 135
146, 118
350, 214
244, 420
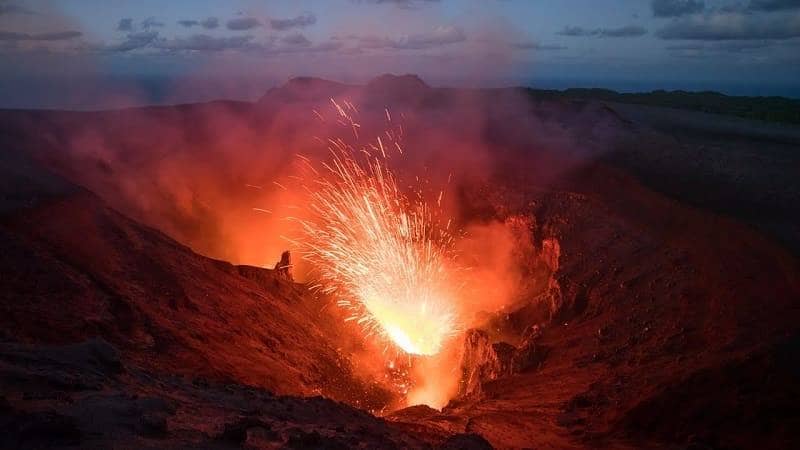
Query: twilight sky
102, 53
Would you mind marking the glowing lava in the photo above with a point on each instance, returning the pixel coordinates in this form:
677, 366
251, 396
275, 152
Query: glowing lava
385, 255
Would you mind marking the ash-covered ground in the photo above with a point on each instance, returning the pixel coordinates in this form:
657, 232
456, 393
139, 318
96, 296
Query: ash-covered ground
655, 306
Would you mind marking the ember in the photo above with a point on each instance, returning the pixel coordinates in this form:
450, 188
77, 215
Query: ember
388, 257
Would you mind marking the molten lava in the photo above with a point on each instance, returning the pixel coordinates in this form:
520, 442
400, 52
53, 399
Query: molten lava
385, 255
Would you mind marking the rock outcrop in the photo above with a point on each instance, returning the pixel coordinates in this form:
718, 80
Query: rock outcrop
284, 267
479, 363
484, 361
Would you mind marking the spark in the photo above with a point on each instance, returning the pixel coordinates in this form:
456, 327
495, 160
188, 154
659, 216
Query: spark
385, 255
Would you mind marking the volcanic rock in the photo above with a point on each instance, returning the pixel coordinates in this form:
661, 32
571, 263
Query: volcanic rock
396, 89
303, 88
528, 354
480, 363
76, 270
483, 361
284, 267
469, 441
142, 409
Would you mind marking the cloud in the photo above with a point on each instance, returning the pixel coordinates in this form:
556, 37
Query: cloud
530, 45
133, 41
55, 36
328, 46
405, 4
723, 46
626, 31
686, 46
210, 23
723, 49
572, 31
196, 42
301, 21
125, 24
773, 5
204, 42
296, 40
295, 44
721, 26
151, 22
150, 39
677, 8
440, 36
8, 8
243, 23
741, 46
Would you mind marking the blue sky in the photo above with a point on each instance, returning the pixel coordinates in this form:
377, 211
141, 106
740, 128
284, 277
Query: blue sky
53, 52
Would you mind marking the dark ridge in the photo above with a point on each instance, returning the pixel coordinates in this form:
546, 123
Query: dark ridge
396, 89
304, 88
390, 81
770, 109
310, 83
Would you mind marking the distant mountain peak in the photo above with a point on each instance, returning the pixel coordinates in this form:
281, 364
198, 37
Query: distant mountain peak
304, 88
308, 81
391, 81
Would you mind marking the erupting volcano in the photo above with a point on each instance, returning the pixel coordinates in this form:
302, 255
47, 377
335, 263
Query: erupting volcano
457, 268
387, 257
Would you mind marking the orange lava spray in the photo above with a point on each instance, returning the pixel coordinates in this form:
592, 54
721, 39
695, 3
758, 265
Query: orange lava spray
387, 256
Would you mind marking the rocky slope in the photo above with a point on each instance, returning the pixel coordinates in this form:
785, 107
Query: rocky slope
115, 335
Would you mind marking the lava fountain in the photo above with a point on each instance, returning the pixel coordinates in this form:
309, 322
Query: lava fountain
387, 256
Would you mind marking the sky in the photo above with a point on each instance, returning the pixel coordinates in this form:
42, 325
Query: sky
88, 54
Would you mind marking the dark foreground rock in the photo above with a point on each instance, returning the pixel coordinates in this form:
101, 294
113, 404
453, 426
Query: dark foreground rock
79, 396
